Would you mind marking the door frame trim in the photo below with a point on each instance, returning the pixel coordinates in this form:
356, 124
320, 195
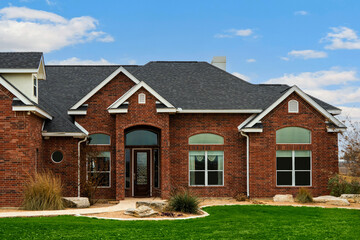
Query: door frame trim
133, 170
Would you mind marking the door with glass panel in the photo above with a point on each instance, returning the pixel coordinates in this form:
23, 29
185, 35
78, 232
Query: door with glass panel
141, 173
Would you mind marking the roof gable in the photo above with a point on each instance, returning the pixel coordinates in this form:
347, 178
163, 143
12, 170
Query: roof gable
303, 96
103, 83
133, 90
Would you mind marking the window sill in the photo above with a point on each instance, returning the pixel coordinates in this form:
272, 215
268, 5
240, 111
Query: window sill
201, 186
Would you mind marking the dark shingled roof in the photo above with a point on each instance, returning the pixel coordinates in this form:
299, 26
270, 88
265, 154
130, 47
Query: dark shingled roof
186, 85
16, 60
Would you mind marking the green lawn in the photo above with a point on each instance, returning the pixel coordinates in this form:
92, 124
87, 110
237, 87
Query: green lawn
224, 222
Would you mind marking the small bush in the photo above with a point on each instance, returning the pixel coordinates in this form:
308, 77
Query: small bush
339, 185
43, 192
304, 196
240, 197
184, 201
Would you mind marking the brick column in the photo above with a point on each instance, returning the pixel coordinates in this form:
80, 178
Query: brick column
120, 160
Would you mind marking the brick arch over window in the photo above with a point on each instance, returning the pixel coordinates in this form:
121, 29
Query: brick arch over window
293, 135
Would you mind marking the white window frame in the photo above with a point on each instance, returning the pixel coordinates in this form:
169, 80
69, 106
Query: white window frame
293, 103
206, 171
293, 171
87, 170
35, 86
295, 143
53, 154
142, 98
92, 144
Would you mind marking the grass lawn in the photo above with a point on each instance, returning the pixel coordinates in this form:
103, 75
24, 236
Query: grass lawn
224, 222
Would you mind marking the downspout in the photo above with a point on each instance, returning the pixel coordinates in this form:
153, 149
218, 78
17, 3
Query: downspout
247, 164
79, 157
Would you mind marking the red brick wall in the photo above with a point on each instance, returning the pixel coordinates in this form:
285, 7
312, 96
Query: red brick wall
20, 136
182, 126
263, 150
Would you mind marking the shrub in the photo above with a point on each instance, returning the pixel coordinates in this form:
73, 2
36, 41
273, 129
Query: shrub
43, 192
339, 185
240, 197
184, 201
304, 196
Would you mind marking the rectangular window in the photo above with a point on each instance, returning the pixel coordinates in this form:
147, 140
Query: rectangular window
127, 168
206, 168
156, 168
35, 86
99, 169
293, 168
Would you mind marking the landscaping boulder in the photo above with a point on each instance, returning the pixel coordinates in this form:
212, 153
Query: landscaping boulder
353, 198
76, 202
331, 200
283, 198
157, 206
142, 211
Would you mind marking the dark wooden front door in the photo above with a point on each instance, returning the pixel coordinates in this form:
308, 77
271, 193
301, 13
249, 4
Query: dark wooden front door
142, 173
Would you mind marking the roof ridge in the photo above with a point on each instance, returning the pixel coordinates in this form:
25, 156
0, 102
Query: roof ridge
174, 61
90, 65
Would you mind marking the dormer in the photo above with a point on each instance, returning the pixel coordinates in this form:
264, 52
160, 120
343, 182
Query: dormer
23, 70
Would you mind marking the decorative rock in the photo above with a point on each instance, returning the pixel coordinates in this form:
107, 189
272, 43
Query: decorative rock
142, 211
76, 202
283, 198
157, 206
352, 198
331, 200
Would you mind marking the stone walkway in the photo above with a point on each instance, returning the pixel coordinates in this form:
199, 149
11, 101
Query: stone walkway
122, 205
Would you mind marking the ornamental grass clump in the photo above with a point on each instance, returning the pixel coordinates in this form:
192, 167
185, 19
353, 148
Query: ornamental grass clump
339, 185
43, 192
304, 196
184, 201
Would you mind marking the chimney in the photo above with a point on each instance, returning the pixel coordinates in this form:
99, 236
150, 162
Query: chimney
220, 62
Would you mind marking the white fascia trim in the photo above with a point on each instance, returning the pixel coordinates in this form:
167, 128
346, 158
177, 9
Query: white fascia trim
336, 130
103, 83
218, 111
32, 109
335, 112
252, 130
62, 134
302, 95
18, 70
123, 110
81, 128
166, 110
43, 66
246, 121
18, 94
77, 112
134, 89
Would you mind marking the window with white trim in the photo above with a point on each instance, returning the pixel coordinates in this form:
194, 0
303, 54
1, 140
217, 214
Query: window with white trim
293, 106
142, 98
206, 168
99, 139
35, 84
99, 169
293, 168
293, 135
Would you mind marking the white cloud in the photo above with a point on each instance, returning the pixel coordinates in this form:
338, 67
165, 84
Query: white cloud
77, 61
342, 38
307, 54
251, 60
242, 76
234, 33
25, 29
318, 84
50, 3
285, 58
308, 80
352, 112
301, 13
132, 62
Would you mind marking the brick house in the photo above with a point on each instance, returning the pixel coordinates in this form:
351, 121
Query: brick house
160, 126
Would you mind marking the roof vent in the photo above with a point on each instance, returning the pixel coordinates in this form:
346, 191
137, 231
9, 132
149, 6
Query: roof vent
220, 62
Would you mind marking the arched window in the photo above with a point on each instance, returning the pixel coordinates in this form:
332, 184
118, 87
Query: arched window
99, 139
293, 135
206, 138
141, 138
293, 106
142, 98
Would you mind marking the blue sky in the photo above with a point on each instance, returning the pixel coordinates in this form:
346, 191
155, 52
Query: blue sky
313, 44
